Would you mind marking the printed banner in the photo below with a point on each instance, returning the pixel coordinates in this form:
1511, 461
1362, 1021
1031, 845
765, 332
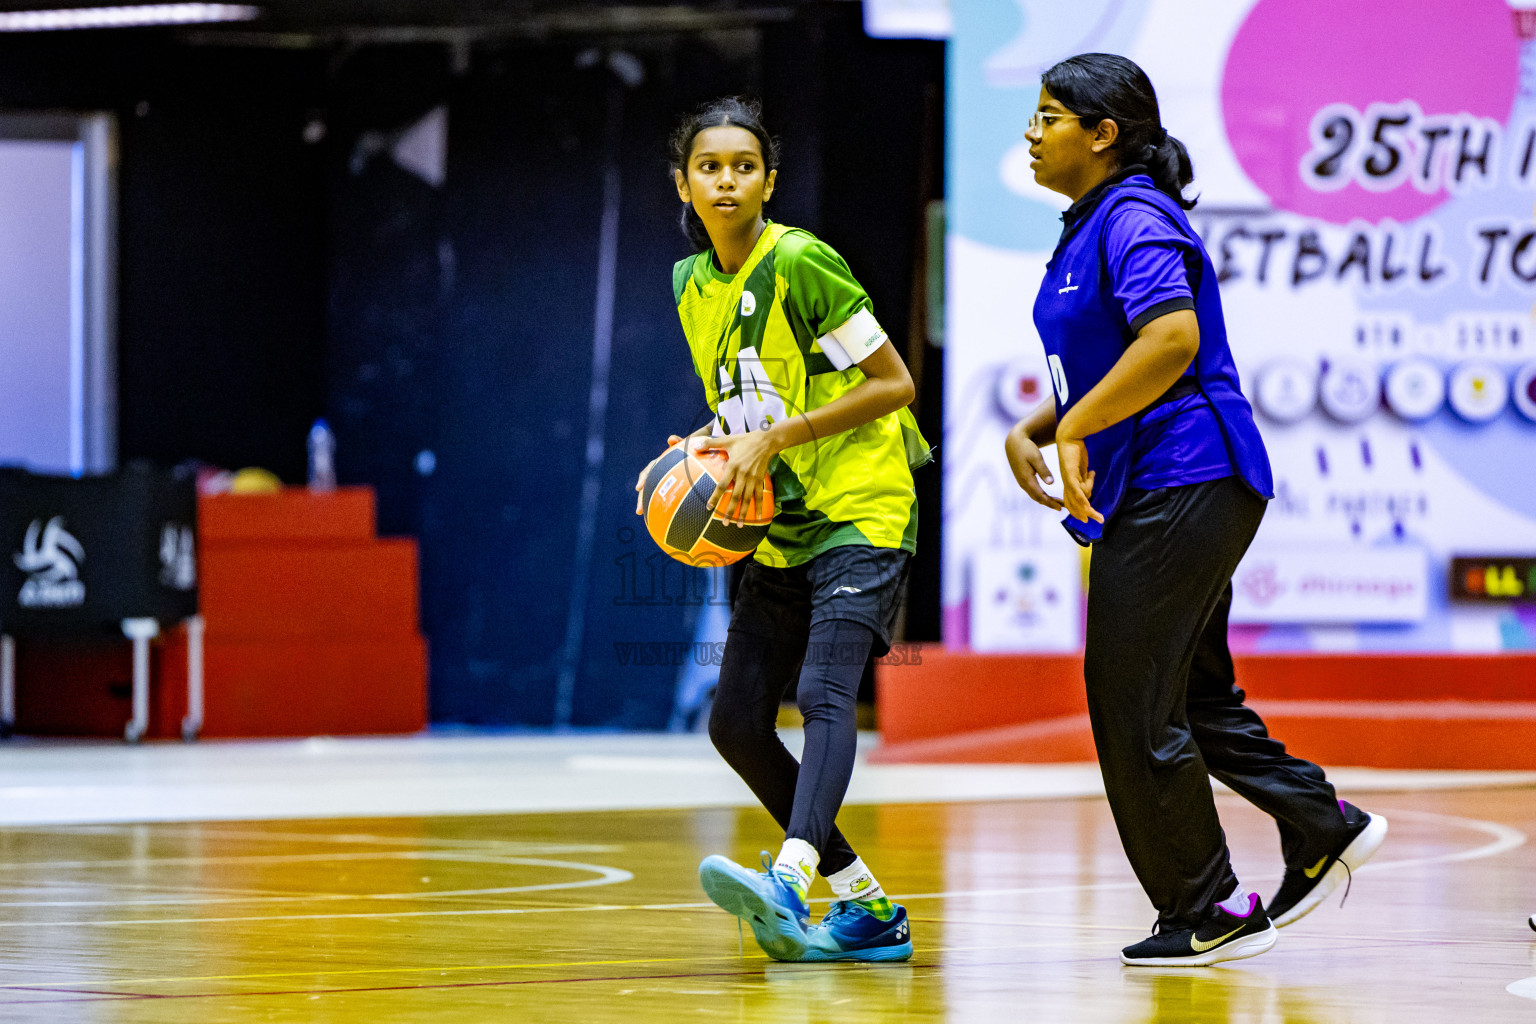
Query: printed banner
1366, 175
1336, 586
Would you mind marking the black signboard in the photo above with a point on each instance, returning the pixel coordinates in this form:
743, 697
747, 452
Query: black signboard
79, 555
1494, 579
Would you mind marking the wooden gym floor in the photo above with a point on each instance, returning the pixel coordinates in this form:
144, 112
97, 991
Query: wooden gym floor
1018, 908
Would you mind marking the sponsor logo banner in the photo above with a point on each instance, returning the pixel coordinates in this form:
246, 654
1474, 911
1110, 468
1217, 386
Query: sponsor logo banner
1027, 600
1331, 586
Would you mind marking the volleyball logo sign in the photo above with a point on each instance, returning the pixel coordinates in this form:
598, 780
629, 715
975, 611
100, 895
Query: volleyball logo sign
51, 557
178, 557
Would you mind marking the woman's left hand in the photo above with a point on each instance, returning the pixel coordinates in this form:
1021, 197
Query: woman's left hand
741, 489
1076, 478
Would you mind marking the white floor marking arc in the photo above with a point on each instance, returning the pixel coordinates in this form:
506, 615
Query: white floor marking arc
609, 876
1504, 840
463, 856
606, 876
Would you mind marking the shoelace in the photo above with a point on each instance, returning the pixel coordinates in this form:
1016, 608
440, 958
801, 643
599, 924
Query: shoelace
766, 860
837, 909
1349, 881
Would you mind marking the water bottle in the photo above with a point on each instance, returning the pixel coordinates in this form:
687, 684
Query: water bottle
322, 458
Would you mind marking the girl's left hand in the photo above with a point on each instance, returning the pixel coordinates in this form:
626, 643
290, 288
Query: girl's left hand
748, 456
1076, 479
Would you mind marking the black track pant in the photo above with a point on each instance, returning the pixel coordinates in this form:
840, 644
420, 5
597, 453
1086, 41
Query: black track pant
808, 630
1165, 706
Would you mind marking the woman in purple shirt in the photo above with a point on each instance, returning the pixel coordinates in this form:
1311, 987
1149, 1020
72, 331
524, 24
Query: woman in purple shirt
1164, 473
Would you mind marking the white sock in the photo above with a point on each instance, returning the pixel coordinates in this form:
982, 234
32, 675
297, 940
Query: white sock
856, 882
797, 863
1240, 903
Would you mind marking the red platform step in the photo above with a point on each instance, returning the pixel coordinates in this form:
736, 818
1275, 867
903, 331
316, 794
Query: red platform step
312, 628
1380, 711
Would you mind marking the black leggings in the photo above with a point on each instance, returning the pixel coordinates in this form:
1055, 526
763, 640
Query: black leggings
810, 627
756, 673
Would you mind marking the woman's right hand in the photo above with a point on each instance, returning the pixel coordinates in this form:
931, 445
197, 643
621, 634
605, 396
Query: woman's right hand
1029, 468
672, 439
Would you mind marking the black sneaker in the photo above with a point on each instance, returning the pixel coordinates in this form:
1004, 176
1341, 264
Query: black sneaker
1305, 887
1226, 936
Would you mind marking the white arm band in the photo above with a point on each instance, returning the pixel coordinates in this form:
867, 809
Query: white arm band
852, 342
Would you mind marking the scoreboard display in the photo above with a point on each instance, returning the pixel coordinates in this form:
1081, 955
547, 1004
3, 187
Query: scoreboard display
1493, 579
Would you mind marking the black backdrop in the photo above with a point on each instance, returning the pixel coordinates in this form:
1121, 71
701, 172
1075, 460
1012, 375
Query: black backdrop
271, 272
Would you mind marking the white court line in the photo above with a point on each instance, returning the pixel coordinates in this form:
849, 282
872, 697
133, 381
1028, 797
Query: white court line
608, 876
455, 856
483, 912
45, 889
1505, 839
511, 847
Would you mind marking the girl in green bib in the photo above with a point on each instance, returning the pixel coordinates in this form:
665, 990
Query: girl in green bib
804, 386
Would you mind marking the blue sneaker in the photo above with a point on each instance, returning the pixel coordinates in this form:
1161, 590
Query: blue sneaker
849, 932
765, 901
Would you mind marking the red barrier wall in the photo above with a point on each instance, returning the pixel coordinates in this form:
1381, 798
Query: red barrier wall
1451, 711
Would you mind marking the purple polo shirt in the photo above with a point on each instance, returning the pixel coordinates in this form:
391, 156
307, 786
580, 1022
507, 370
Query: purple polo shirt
1177, 442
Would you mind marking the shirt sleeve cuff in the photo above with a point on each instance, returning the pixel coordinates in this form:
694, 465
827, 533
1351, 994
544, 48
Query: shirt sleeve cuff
1163, 308
853, 341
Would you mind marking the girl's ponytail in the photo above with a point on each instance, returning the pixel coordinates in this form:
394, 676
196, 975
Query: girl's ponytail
693, 227
1167, 162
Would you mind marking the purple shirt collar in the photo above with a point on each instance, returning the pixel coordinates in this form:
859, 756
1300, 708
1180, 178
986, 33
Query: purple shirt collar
1078, 211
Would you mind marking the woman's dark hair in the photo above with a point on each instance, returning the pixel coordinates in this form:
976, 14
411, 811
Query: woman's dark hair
1095, 86
728, 111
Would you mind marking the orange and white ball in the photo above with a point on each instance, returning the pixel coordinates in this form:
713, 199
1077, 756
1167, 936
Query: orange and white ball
675, 502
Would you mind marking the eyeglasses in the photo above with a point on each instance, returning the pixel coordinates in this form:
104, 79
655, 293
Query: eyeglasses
1040, 120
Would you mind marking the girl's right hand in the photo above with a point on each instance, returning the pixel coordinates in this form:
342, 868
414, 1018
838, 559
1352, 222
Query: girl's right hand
1029, 468
672, 439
